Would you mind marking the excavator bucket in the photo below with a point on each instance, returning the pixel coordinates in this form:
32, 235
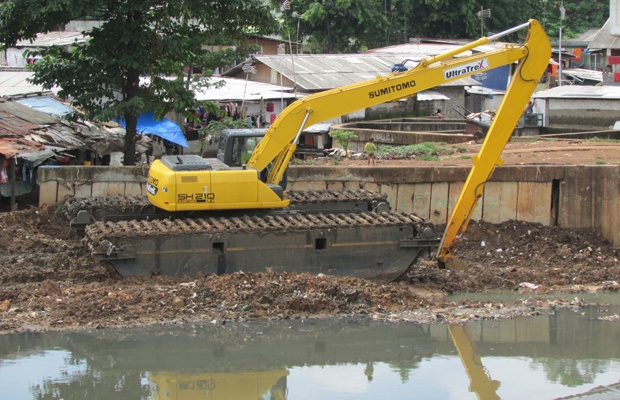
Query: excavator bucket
454, 263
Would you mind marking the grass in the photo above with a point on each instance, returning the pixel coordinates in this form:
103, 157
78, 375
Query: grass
428, 151
600, 160
599, 140
526, 139
428, 158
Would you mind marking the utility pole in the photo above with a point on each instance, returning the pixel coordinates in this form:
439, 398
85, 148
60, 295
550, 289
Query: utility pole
562, 13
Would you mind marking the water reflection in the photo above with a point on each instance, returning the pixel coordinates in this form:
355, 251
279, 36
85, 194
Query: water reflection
481, 382
546, 357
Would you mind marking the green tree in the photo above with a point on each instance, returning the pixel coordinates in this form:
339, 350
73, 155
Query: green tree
443, 18
343, 138
134, 61
579, 16
340, 26
336, 26
508, 13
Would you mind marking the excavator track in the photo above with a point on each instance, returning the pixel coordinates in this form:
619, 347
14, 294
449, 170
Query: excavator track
364, 244
82, 211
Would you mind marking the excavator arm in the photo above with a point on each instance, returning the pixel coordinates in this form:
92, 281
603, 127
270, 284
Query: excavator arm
280, 140
532, 64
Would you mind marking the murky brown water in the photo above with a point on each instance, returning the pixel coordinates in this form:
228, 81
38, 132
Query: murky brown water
546, 357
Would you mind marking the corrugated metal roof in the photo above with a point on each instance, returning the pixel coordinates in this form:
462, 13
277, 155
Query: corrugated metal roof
12, 146
46, 132
580, 92
59, 38
604, 39
584, 74
430, 95
317, 72
430, 49
416, 50
26, 113
14, 82
239, 90
16, 130
586, 36
12, 125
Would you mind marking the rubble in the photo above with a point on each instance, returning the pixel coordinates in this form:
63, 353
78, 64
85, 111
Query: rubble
49, 282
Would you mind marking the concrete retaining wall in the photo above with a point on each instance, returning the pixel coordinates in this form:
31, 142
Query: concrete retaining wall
58, 183
576, 197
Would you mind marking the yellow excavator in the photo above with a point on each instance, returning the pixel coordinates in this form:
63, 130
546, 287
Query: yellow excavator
191, 185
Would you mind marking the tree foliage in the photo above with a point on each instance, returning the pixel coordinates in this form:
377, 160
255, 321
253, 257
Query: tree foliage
578, 17
134, 61
343, 138
336, 26
339, 26
440, 18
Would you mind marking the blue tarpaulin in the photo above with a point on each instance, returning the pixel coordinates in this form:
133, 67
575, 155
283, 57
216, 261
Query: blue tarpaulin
164, 128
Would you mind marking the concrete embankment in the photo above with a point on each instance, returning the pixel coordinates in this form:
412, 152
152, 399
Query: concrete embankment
583, 198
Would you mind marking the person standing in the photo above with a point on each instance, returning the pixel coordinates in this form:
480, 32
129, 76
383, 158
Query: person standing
370, 149
438, 114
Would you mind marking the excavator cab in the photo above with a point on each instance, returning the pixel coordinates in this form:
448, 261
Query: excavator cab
236, 146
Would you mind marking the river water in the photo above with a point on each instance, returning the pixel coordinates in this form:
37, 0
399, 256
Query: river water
565, 354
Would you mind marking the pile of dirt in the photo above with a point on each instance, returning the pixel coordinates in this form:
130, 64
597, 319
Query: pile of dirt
507, 255
49, 282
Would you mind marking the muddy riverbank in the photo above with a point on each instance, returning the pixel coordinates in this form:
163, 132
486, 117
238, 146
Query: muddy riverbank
50, 282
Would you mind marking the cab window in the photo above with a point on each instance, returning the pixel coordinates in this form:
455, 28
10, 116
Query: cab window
242, 149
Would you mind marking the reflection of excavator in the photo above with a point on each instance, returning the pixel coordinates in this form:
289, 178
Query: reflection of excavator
249, 385
272, 384
332, 243
480, 382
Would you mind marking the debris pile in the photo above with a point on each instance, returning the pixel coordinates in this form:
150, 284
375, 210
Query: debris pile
49, 281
